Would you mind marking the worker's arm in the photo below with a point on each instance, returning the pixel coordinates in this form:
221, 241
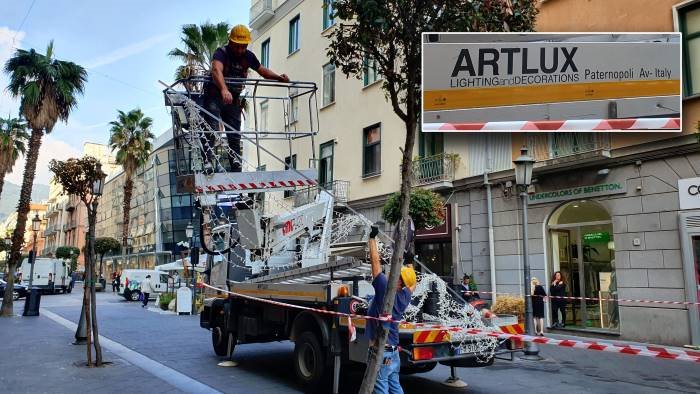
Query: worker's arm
269, 74
374, 259
217, 74
412, 288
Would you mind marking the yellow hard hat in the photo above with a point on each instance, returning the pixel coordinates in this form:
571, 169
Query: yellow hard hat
240, 35
408, 275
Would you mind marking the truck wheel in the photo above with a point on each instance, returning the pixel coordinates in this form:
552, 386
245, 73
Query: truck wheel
309, 359
69, 290
219, 339
134, 295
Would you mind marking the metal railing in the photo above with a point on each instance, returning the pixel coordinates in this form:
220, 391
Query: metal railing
306, 195
432, 169
559, 145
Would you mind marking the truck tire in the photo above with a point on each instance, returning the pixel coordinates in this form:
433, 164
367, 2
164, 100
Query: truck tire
219, 340
134, 295
309, 359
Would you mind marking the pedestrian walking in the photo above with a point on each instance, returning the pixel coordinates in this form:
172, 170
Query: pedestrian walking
388, 377
146, 290
119, 281
222, 100
558, 304
538, 296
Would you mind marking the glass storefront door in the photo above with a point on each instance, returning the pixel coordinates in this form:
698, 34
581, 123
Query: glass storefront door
696, 257
582, 248
437, 256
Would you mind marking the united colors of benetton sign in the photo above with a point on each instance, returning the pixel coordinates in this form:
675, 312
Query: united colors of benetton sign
476, 75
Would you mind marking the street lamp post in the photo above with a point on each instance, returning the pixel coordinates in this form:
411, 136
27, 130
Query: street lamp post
189, 233
129, 243
523, 178
36, 223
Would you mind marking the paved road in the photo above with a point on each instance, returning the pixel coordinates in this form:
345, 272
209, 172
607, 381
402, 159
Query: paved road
158, 352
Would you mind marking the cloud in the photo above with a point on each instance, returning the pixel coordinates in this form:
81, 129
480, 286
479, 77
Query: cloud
127, 51
50, 149
9, 40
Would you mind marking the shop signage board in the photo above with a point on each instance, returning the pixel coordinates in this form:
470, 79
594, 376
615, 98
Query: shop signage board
474, 75
579, 192
499, 79
689, 193
442, 230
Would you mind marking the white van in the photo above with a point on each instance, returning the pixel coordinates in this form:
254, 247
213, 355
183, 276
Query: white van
131, 283
50, 275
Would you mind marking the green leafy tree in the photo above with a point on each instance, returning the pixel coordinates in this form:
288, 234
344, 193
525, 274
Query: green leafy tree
200, 43
64, 252
48, 90
131, 137
425, 208
105, 245
389, 33
77, 176
13, 142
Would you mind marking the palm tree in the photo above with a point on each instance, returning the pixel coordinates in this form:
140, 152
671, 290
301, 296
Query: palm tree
131, 138
48, 89
200, 44
13, 142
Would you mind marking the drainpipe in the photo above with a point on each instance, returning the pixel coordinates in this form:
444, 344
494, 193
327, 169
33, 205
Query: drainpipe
492, 250
489, 215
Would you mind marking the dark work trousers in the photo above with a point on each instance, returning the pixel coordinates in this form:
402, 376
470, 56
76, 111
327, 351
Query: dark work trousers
145, 299
231, 115
558, 305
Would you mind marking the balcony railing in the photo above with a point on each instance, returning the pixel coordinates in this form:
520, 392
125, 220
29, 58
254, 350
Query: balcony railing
568, 145
338, 188
260, 12
434, 169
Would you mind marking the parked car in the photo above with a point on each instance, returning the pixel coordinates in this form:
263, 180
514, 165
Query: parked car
19, 290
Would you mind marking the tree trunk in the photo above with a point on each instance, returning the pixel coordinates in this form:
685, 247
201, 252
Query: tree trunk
128, 190
374, 362
91, 253
25, 198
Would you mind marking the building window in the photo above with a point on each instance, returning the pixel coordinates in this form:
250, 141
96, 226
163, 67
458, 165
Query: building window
371, 150
370, 71
325, 165
294, 35
328, 19
265, 53
263, 116
293, 115
328, 84
689, 24
289, 163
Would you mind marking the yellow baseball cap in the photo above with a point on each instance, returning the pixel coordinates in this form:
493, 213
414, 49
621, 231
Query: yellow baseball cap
240, 34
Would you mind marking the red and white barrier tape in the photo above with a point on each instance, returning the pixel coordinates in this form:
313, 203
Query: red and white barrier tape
561, 125
636, 350
618, 300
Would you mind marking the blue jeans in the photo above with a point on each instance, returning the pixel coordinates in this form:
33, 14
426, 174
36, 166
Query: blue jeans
388, 377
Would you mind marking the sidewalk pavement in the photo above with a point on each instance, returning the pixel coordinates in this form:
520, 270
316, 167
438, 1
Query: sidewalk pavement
38, 357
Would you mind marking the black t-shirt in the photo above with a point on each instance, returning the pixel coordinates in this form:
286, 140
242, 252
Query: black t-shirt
234, 67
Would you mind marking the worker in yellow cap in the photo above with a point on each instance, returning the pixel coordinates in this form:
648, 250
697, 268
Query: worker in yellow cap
222, 99
388, 377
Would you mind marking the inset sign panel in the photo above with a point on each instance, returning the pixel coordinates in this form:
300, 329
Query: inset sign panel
552, 82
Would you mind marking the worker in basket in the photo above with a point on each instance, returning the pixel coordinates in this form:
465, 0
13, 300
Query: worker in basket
388, 377
222, 100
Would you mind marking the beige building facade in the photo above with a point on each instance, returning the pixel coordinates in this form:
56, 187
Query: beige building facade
66, 216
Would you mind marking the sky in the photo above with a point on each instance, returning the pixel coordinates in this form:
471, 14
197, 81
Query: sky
123, 45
